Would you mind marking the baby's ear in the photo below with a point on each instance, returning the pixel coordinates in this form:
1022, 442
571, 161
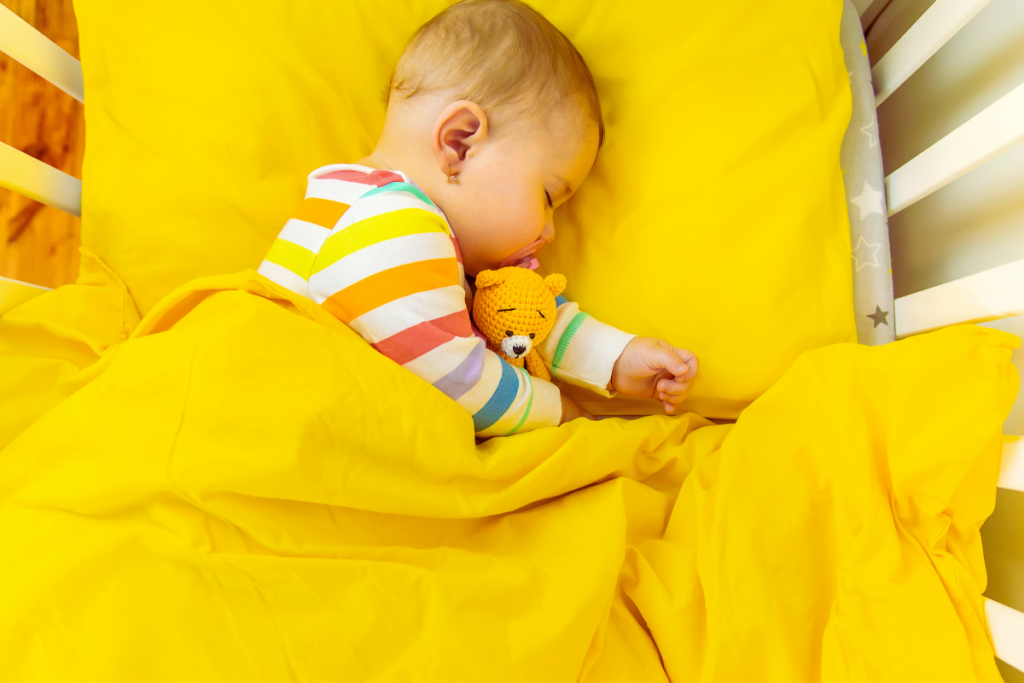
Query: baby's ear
489, 278
555, 282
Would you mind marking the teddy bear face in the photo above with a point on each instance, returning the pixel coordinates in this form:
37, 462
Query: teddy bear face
515, 308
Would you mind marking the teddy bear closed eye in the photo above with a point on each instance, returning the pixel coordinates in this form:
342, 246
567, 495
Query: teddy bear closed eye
515, 310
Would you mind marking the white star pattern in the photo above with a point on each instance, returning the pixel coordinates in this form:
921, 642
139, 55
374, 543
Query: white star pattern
872, 138
864, 251
870, 201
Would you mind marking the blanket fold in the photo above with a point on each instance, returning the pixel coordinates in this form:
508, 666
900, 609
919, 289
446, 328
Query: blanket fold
239, 490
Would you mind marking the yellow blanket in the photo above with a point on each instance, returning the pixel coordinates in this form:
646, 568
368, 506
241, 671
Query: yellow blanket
245, 491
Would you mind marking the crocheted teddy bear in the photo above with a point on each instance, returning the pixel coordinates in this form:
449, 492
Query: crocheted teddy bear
514, 308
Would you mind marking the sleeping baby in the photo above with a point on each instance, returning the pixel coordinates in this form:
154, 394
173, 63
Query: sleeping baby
493, 121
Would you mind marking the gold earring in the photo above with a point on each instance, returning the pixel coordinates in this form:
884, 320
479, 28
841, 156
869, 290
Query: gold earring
451, 176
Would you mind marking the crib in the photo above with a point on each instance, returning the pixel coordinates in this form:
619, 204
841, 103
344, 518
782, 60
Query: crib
990, 295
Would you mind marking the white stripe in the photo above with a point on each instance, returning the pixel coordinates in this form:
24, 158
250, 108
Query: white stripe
284, 277
380, 204
336, 190
439, 361
376, 258
304, 234
401, 314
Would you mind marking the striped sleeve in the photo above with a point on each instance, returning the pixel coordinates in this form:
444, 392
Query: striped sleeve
391, 271
582, 351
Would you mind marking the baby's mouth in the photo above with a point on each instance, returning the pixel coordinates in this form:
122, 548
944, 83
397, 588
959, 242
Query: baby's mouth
525, 257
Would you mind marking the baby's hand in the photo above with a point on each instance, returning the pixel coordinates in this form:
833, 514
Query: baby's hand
653, 368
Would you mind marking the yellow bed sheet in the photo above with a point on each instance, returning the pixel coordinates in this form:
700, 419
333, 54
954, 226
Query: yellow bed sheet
244, 490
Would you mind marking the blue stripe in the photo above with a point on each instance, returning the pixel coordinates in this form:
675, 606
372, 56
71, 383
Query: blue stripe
401, 187
500, 401
559, 300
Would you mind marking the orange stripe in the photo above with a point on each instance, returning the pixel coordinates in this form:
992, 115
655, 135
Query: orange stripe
322, 212
393, 283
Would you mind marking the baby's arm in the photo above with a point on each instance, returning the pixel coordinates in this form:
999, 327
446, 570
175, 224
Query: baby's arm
581, 350
394, 278
591, 354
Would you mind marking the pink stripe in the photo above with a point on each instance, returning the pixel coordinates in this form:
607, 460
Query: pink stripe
378, 178
458, 252
413, 342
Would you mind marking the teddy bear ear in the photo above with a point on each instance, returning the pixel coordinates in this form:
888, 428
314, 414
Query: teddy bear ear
489, 278
555, 282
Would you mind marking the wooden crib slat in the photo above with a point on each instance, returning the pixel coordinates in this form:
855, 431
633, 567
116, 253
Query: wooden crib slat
988, 295
31, 48
1007, 628
993, 131
37, 180
933, 30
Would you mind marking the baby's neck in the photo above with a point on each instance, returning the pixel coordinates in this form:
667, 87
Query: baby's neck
375, 160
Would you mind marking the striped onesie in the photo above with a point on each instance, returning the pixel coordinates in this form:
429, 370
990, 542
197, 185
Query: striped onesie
372, 249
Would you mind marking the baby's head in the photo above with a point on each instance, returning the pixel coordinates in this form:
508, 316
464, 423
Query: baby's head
490, 92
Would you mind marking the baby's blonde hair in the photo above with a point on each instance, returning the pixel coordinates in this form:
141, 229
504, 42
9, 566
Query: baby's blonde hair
503, 55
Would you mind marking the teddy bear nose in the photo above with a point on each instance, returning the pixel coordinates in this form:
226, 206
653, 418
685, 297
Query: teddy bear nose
519, 349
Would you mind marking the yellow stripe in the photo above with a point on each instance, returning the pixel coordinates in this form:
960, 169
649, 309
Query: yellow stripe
291, 256
376, 229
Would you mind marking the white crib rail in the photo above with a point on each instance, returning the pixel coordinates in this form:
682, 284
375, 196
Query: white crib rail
993, 131
31, 48
1011, 473
14, 293
18, 171
1007, 628
936, 26
989, 295
39, 181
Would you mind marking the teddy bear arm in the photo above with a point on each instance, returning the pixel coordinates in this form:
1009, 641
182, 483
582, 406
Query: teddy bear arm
535, 364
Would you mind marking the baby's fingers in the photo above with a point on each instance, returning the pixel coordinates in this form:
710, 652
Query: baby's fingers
672, 390
692, 364
671, 393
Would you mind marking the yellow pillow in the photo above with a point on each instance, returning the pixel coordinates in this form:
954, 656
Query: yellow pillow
715, 217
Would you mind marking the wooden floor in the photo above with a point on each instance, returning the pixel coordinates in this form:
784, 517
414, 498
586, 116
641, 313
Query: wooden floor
39, 244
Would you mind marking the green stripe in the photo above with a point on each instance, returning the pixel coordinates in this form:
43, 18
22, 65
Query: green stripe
529, 404
401, 187
563, 343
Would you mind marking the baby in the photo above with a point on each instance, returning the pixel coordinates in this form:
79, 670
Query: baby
493, 121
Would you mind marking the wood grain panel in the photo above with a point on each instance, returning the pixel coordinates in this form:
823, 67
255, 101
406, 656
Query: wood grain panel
39, 244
